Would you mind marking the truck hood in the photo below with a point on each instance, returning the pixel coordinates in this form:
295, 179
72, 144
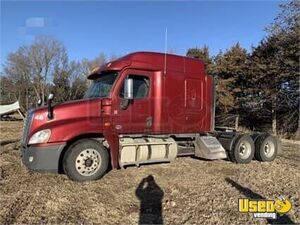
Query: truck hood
70, 119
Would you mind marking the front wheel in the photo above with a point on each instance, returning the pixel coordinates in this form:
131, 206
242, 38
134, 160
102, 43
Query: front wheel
86, 160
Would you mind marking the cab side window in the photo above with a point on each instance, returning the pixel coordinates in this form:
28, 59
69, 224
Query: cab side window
141, 86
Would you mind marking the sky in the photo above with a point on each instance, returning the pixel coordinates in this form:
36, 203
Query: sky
88, 28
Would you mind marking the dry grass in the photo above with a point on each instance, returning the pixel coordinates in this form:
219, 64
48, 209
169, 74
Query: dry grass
195, 191
10, 130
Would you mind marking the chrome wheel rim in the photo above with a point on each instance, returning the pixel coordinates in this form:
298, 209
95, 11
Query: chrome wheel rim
269, 149
244, 150
88, 162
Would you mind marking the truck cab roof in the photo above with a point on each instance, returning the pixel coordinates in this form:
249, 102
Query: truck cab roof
152, 61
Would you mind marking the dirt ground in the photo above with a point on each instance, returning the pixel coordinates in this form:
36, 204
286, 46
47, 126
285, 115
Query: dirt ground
188, 191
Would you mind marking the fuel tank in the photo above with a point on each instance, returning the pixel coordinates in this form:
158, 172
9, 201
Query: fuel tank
136, 151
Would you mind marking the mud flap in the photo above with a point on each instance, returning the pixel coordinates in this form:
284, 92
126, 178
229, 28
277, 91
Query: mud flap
209, 147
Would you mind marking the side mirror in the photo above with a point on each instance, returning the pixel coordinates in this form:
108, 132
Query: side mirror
128, 89
128, 93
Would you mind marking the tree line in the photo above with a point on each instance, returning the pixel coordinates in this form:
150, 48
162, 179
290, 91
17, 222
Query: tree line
43, 67
260, 87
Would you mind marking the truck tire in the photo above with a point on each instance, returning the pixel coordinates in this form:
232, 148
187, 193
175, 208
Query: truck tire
243, 150
266, 148
86, 160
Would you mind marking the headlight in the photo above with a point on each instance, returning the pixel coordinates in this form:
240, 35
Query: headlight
41, 136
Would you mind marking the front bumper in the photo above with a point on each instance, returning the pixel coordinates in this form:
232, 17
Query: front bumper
42, 158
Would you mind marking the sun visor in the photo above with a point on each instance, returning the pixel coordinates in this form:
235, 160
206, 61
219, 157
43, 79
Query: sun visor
111, 66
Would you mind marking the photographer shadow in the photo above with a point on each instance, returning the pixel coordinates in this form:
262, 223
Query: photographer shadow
150, 196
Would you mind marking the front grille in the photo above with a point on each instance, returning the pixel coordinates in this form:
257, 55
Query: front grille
26, 127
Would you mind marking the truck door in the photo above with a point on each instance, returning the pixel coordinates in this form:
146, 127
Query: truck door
137, 116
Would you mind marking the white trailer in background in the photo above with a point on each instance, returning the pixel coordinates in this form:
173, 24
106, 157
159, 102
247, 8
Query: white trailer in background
6, 110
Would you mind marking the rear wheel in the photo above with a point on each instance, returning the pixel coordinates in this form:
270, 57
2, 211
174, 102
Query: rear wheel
86, 160
266, 148
243, 150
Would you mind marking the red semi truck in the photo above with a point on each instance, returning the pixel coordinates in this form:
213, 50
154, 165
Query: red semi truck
142, 108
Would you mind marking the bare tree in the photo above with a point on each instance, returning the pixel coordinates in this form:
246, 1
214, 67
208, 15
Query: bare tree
31, 68
18, 70
96, 62
45, 55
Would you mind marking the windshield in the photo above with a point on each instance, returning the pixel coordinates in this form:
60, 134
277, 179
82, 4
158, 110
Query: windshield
101, 86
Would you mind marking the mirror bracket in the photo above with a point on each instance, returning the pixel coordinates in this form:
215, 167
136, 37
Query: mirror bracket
125, 103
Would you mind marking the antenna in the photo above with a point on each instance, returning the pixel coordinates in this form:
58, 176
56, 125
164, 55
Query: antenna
166, 42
